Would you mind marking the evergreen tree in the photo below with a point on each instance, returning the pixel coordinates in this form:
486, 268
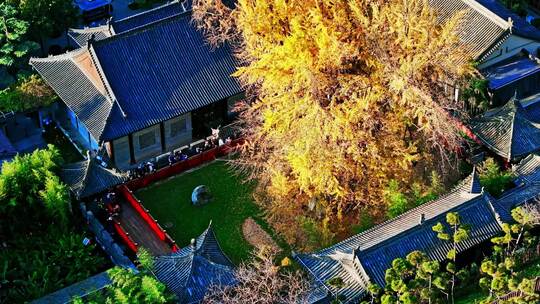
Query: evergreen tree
458, 233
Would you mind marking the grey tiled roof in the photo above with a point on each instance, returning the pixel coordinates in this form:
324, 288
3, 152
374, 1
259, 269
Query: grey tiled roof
76, 89
141, 77
79, 289
509, 131
482, 30
365, 257
192, 270
527, 186
520, 26
149, 16
162, 71
88, 177
81, 36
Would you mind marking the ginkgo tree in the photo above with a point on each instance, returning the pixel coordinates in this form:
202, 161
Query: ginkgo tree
342, 96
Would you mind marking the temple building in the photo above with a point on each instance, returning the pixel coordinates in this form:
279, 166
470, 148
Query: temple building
490, 31
527, 189
190, 272
146, 85
364, 258
509, 131
504, 45
518, 75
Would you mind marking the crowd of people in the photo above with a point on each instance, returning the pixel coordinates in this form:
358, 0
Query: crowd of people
174, 157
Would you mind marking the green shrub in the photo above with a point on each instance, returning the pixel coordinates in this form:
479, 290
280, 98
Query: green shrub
28, 93
494, 180
395, 199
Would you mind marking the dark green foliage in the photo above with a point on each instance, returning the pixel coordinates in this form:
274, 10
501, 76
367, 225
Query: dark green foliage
536, 23
396, 200
129, 287
43, 252
401, 200
28, 93
54, 136
317, 235
47, 17
336, 282
365, 222
14, 44
504, 271
414, 279
518, 6
45, 261
475, 94
27, 186
494, 180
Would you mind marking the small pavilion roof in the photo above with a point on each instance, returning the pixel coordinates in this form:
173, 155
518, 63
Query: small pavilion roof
527, 188
88, 177
364, 258
509, 131
192, 270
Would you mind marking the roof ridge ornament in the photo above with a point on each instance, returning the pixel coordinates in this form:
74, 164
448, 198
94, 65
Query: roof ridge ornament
510, 24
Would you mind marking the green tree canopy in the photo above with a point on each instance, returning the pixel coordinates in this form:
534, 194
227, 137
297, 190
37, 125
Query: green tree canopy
28, 93
47, 17
14, 43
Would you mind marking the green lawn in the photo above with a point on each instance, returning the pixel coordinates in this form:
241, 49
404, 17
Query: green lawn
170, 203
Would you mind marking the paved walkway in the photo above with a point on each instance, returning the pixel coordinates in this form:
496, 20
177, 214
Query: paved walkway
140, 232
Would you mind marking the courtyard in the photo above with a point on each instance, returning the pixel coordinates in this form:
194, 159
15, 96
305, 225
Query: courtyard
169, 202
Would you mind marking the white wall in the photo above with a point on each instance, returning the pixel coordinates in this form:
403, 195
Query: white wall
141, 150
513, 45
121, 154
175, 138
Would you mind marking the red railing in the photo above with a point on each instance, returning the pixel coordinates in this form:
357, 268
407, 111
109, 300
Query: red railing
127, 190
125, 237
182, 166
147, 217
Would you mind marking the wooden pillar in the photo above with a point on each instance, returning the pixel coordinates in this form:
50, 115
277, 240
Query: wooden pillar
162, 134
131, 151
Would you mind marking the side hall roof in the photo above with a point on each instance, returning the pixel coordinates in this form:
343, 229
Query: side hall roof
364, 258
82, 36
487, 24
511, 70
527, 188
